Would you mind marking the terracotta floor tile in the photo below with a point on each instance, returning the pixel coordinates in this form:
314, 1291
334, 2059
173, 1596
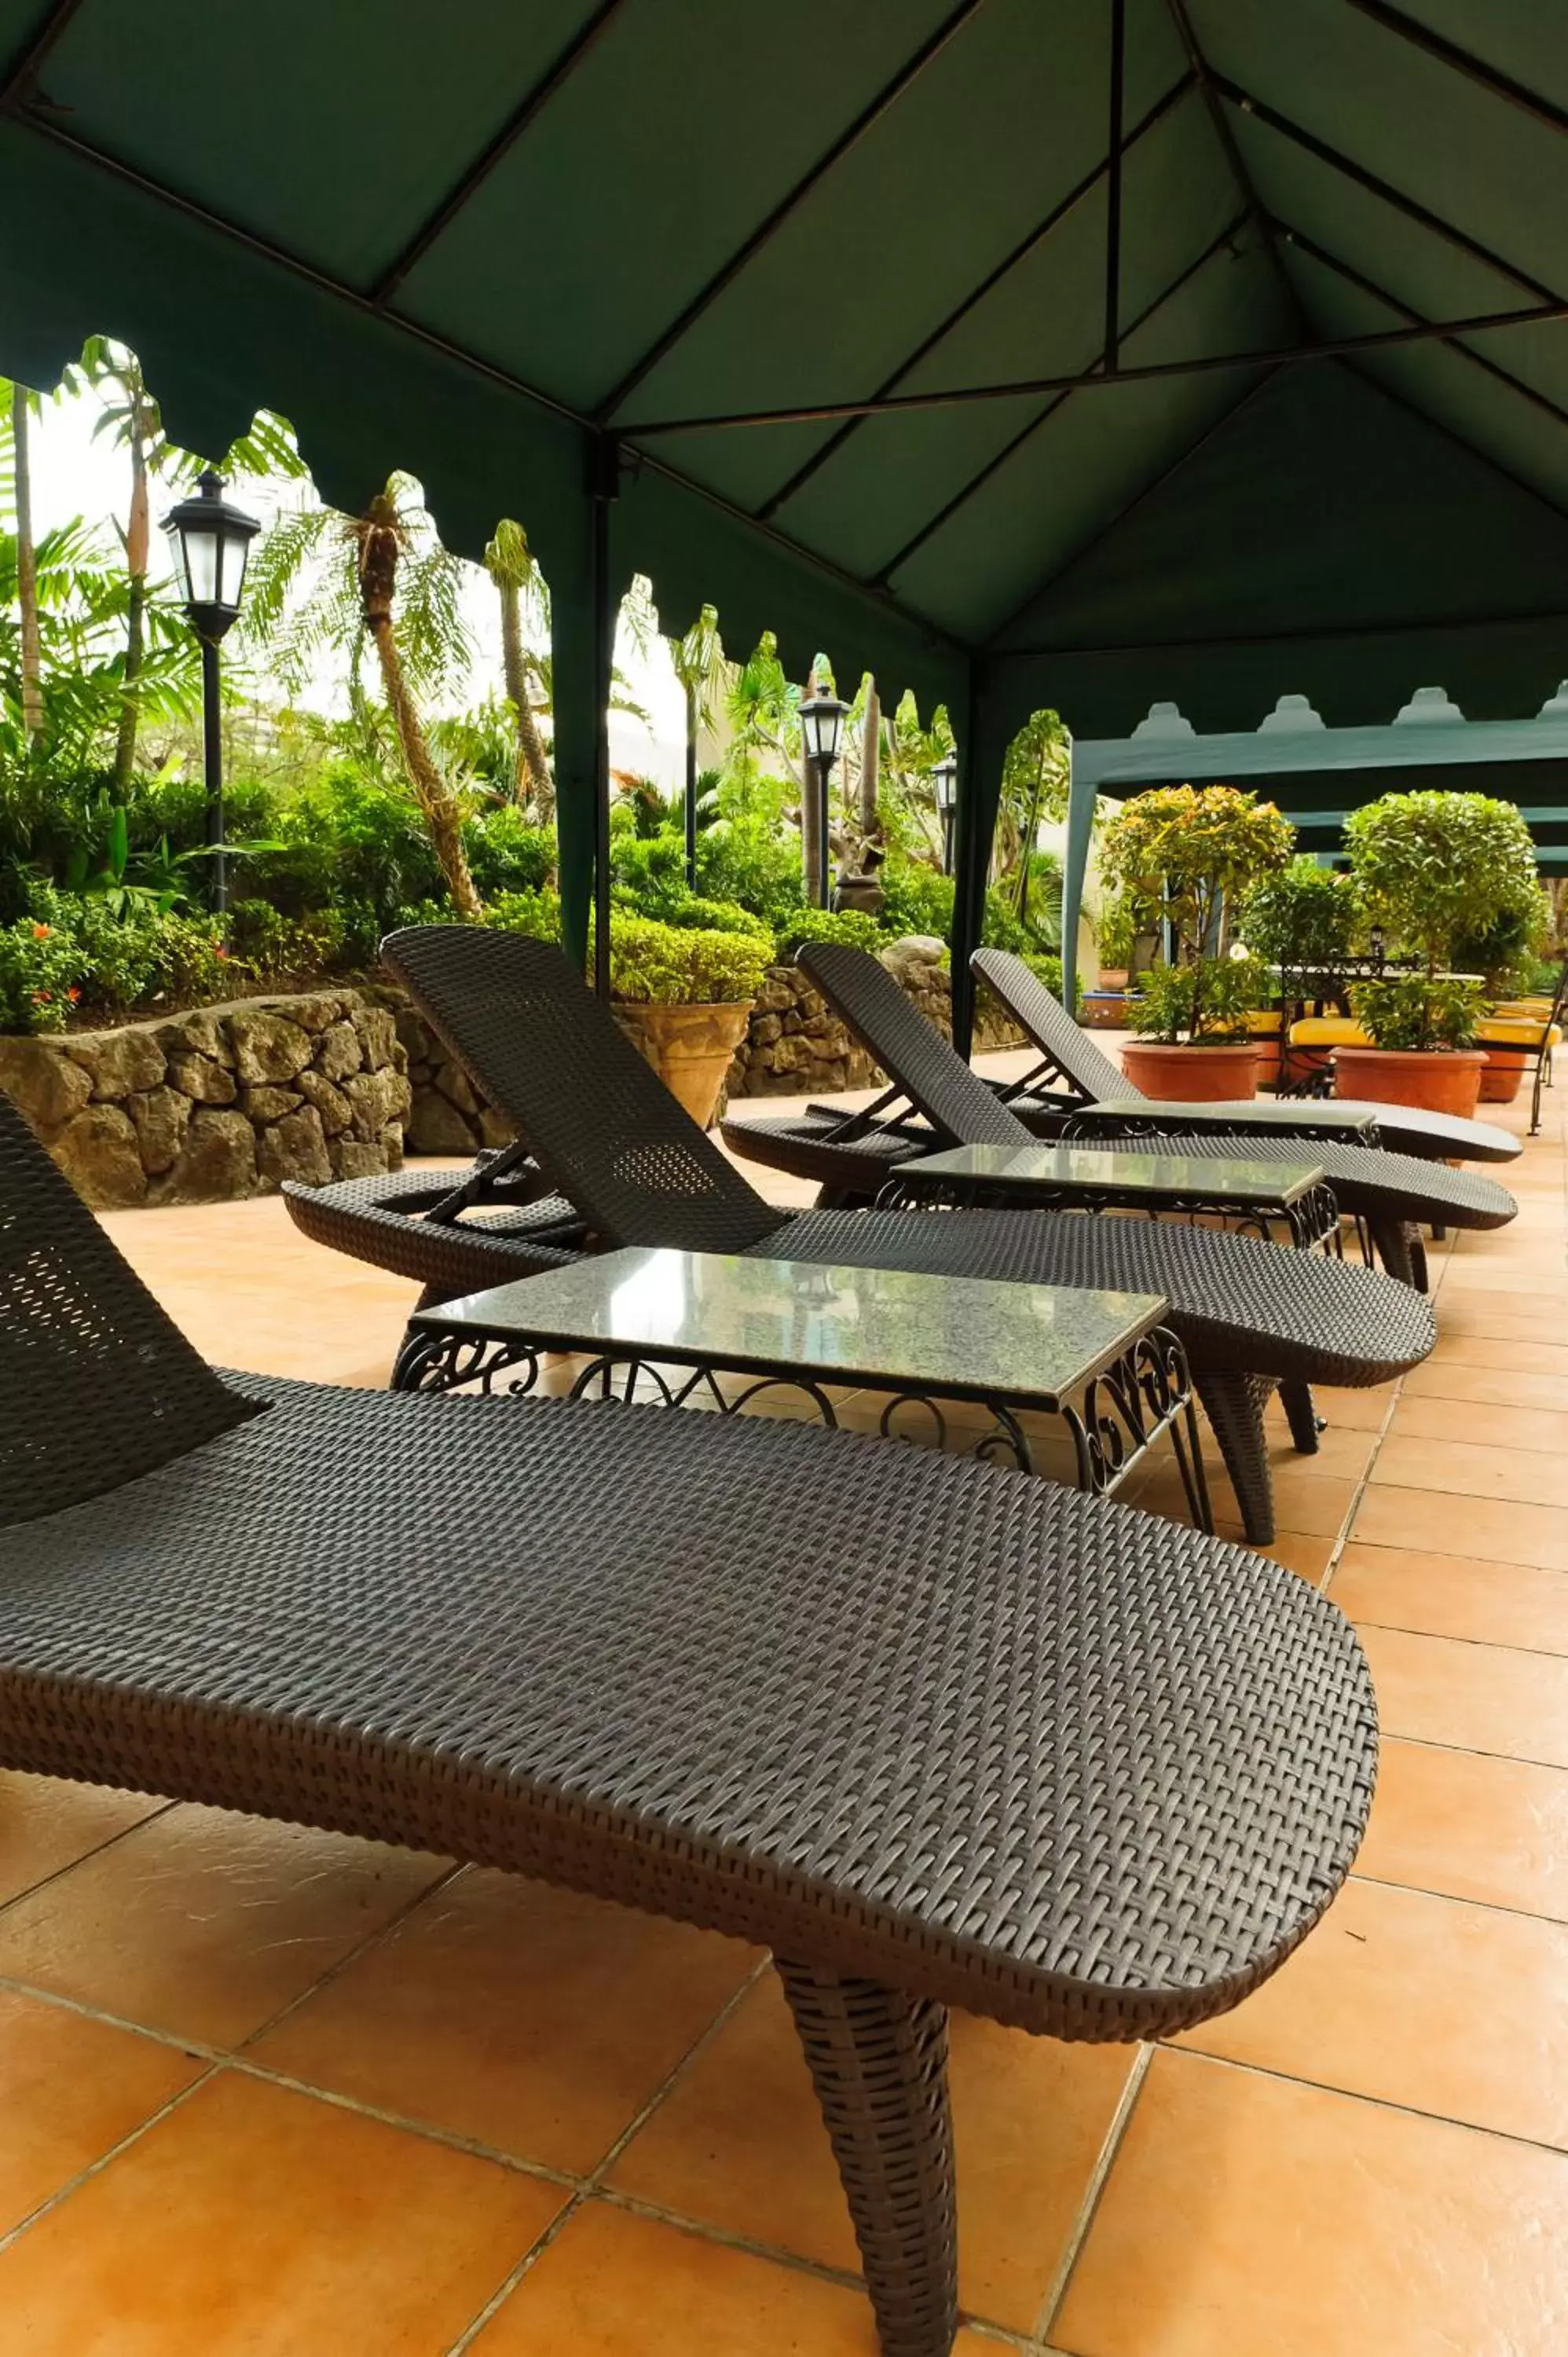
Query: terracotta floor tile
1248, 2217
254, 2222
740, 2144
1298, 1553
47, 1824
1495, 1424
1502, 1386
203, 1924
1454, 1596
70, 2088
1497, 1530
1362, 1411
612, 2285
1478, 1697
532, 2019
1471, 1824
1543, 1356
1399, 1994
1467, 1469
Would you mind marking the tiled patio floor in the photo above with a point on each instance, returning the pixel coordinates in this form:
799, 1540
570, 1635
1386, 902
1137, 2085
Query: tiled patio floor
277, 2092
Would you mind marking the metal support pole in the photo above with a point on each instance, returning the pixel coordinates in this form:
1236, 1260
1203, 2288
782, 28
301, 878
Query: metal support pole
1113, 185
604, 485
948, 817
824, 835
690, 789
212, 775
973, 861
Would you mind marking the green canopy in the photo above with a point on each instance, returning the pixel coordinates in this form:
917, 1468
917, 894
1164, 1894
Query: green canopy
1078, 355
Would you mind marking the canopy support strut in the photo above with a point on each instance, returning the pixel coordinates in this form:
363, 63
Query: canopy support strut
1080, 828
1113, 185
604, 486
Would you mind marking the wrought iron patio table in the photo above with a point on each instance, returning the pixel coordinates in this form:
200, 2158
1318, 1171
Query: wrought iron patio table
673, 1326
1261, 1195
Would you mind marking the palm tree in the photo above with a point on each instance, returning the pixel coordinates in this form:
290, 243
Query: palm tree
704, 677
133, 419
322, 582
510, 564
30, 661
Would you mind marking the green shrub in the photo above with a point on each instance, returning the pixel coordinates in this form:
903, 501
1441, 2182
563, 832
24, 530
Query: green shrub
742, 858
1300, 914
694, 914
919, 900
1419, 1011
1505, 953
1432, 866
1048, 967
1206, 1000
40, 972
1174, 856
285, 950
506, 853
850, 925
350, 843
665, 965
538, 914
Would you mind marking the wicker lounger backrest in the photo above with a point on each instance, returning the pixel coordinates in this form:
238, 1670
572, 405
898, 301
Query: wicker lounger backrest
97, 1385
954, 1100
606, 1131
1076, 1056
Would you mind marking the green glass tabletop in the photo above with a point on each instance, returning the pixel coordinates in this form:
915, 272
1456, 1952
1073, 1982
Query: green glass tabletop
956, 1336
1102, 1171
1322, 1114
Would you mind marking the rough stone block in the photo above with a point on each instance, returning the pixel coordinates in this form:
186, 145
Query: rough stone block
118, 1062
161, 1117
374, 1099
268, 1046
198, 1032
46, 1085
294, 1147
454, 1083
377, 1036
203, 1078
435, 1127
262, 1105
339, 1052
353, 1157
217, 1163
330, 1102
99, 1152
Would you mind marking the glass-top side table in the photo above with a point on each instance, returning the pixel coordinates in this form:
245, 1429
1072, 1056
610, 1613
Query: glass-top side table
679, 1323
1256, 1192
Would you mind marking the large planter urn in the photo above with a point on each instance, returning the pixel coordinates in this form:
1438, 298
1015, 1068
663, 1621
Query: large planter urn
1204, 1073
1437, 1079
690, 1047
1504, 1075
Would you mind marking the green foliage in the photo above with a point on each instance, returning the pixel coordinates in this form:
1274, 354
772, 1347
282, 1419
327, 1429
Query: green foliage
1175, 854
665, 965
1432, 866
538, 914
1419, 1011
284, 952
41, 969
742, 857
1206, 1000
854, 926
1048, 968
919, 900
1299, 915
1505, 952
507, 854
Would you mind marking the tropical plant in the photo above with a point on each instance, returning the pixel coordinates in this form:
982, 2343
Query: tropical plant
40, 973
665, 965
1035, 773
854, 926
521, 586
320, 581
1431, 868
1175, 857
1300, 914
1419, 1012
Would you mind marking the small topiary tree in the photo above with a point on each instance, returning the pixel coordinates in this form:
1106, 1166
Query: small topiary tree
1433, 868
1176, 857
1300, 914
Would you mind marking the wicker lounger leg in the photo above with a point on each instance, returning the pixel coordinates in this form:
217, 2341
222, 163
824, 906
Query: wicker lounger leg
1391, 1240
878, 2061
1303, 1418
1234, 1405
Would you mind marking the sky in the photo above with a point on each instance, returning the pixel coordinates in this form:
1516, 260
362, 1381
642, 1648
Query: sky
73, 474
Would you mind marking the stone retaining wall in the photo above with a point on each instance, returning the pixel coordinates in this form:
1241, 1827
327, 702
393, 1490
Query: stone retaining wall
222, 1102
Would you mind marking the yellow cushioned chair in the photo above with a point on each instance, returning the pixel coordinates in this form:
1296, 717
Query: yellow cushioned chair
1328, 1031
1500, 1031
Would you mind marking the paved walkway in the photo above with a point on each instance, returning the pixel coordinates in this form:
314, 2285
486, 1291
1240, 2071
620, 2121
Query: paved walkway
266, 2092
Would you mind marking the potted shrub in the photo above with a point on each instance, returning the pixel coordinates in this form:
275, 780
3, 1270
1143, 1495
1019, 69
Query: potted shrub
1506, 954
1433, 870
683, 994
1175, 858
1301, 918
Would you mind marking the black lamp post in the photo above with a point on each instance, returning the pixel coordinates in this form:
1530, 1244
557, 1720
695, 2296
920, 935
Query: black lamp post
210, 542
821, 726
944, 782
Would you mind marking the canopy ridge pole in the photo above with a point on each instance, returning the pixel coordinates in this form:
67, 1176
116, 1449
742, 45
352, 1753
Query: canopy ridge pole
1449, 53
1357, 278
1113, 185
1130, 507
1027, 245
605, 457
870, 114
20, 74
1332, 347
1411, 207
560, 71
1225, 133
976, 483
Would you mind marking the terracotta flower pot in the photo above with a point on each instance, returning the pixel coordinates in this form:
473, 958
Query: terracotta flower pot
690, 1047
1438, 1080
1112, 977
1192, 1075
1502, 1079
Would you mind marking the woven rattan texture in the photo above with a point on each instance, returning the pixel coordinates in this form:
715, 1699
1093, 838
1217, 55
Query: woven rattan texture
1364, 1178
1237, 1303
948, 1727
98, 1384
953, 1098
376, 1220
599, 1120
1093, 1077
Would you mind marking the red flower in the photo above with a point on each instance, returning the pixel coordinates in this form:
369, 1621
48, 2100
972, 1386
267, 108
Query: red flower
218, 950
73, 994
40, 997
40, 932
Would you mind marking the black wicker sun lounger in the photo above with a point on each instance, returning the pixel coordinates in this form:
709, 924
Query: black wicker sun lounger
611, 1139
935, 1733
1079, 1075
1390, 1193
